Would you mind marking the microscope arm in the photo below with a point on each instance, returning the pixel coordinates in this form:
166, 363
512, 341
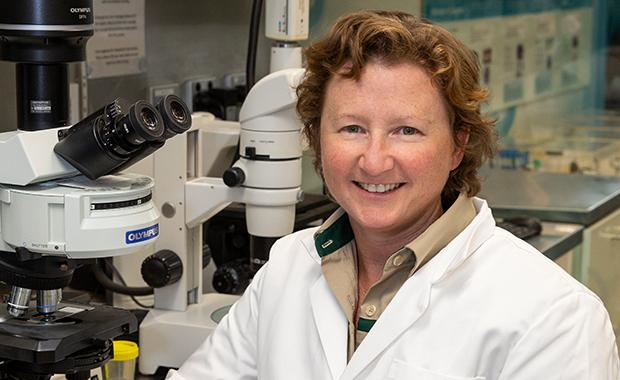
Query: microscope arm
206, 196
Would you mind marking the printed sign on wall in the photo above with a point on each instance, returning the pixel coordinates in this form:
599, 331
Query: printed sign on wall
118, 45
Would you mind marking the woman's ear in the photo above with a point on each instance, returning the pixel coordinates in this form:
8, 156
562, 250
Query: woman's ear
463, 138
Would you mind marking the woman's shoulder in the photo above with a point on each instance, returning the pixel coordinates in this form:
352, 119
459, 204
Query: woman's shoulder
520, 271
295, 248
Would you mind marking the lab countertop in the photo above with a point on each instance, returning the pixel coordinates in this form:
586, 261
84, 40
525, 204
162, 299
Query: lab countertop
553, 197
556, 239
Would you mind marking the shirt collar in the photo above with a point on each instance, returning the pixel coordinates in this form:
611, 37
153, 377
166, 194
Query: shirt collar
336, 231
454, 220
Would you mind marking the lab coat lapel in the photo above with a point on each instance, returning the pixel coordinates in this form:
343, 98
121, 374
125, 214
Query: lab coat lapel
404, 310
331, 324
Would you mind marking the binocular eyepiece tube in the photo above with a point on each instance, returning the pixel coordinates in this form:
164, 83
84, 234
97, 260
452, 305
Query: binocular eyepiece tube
108, 141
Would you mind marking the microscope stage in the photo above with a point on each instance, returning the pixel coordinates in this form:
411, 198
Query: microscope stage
72, 328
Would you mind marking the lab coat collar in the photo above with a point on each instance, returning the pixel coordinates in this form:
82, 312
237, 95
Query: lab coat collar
464, 244
407, 306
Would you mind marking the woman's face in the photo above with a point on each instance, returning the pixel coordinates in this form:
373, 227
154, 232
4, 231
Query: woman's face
387, 147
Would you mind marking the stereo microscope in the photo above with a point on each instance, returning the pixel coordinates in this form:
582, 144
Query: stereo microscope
266, 179
60, 204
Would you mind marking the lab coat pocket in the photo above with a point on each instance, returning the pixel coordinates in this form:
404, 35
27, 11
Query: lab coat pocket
400, 370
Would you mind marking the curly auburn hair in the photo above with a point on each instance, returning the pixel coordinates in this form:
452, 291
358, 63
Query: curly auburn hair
395, 37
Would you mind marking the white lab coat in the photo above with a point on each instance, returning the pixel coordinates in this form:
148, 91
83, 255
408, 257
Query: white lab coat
488, 306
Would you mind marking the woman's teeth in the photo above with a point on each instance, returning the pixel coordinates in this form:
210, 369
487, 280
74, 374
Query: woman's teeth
378, 188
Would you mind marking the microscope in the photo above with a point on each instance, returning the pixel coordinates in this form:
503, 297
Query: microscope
60, 207
266, 178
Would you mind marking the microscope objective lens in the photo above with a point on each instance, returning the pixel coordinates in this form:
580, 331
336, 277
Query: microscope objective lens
47, 300
19, 301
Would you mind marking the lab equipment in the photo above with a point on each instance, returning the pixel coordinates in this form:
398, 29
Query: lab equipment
54, 210
266, 178
585, 143
229, 243
287, 23
522, 227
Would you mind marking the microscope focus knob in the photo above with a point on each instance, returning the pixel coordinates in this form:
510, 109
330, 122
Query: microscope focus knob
233, 176
232, 277
162, 268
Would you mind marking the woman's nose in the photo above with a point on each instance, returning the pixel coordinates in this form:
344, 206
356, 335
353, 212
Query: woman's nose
377, 158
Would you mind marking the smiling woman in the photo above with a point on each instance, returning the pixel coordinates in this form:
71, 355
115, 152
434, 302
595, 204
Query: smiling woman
386, 107
360, 164
410, 278
401, 38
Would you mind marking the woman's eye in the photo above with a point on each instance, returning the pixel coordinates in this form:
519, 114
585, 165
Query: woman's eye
408, 131
352, 129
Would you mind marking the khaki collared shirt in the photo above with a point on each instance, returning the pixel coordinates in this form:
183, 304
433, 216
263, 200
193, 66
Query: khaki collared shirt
335, 244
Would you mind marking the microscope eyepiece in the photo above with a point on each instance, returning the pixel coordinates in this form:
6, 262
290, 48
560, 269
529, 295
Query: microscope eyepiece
149, 119
142, 123
176, 115
107, 139
178, 112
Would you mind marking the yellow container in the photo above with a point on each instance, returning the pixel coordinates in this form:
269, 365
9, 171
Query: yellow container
123, 366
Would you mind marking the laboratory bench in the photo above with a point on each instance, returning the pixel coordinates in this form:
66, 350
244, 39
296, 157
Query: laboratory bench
553, 197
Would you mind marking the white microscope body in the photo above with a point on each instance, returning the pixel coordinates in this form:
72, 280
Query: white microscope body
267, 178
47, 208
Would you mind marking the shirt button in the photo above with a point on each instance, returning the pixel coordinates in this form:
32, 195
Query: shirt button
398, 260
371, 310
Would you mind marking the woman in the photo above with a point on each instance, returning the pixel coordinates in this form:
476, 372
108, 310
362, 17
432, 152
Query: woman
410, 279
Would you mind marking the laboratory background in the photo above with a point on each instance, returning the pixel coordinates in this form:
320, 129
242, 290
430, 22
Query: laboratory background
134, 216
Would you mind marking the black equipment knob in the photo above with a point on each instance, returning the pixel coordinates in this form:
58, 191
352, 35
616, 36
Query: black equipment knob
233, 177
162, 268
232, 277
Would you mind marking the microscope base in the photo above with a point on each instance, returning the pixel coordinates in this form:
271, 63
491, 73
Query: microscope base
168, 338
